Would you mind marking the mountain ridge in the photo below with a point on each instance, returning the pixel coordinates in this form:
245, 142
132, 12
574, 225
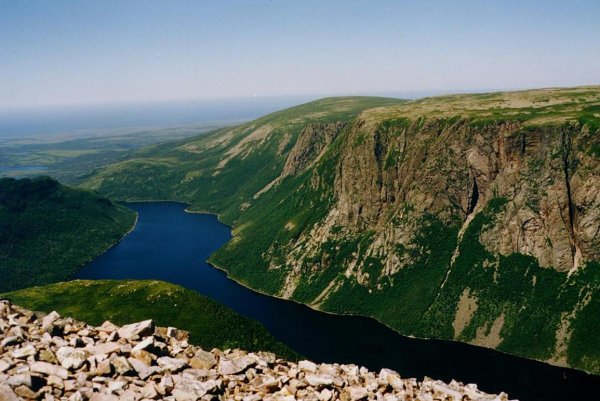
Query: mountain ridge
412, 213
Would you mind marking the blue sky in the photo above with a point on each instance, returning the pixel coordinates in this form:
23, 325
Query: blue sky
94, 52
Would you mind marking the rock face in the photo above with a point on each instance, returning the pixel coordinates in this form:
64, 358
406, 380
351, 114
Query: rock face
167, 371
311, 143
398, 214
468, 217
391, 175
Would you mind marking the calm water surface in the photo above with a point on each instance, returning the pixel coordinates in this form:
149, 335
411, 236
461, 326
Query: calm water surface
169, 244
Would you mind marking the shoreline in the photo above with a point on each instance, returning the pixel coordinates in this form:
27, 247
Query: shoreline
129, 231
389, 327
247, 286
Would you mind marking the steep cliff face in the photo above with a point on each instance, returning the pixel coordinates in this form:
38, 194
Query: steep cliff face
398, 172
447, 226
391, 175
470, 217
310, 146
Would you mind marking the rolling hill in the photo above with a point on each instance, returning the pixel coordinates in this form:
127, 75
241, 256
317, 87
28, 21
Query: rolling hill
48, 230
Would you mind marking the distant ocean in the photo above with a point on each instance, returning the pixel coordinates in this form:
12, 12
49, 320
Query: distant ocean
79, 120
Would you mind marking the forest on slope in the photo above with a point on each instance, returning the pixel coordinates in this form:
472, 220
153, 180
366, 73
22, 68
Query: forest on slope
48, 230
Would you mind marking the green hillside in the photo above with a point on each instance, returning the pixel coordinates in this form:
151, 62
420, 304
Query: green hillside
221, 171
48, 230
211, 325
465, 217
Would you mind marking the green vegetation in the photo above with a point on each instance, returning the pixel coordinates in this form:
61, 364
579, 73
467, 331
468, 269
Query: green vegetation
532, 107
531, 299
584, 348
47, 230
590, 116
520, 306
407, 293
71, 158
210, 324
222, 171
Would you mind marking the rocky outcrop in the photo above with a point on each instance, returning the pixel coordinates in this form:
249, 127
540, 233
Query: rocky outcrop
532, 191
55, 358
390, 175
311, 143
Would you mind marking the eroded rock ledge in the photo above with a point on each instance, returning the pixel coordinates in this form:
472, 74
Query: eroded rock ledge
48, 357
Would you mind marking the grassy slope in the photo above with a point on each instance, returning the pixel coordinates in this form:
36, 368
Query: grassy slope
189, 170
210, 324
534, 107
48, 230
412, 306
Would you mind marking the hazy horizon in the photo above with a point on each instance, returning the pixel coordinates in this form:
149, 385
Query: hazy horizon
75, 119
89, 118
97, 53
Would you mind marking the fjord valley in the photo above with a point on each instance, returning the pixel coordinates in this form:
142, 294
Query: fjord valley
299, 200
207, 325
464, 217
49, 231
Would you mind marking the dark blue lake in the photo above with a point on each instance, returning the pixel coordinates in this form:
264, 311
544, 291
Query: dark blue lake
171, 245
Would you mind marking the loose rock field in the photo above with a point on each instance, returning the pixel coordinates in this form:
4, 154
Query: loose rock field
50, 357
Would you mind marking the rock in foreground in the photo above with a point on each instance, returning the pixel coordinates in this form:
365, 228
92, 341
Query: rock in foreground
55, 358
